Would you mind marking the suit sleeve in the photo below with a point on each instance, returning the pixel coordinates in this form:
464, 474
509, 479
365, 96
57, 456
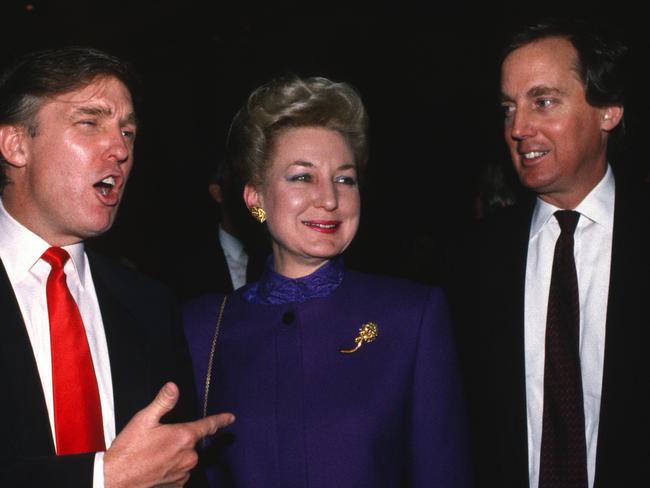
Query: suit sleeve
70, 471
438, 432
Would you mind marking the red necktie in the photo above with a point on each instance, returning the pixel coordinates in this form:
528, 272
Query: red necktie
77, 410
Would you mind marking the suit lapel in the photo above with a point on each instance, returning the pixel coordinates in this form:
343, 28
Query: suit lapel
624, 403
24, 406
126, 342
222, 275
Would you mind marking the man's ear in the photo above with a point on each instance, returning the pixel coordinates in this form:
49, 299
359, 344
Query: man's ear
252, 197
216, 192
12, 144
611, 117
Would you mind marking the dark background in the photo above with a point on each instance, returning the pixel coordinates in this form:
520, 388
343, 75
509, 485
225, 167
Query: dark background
428, 76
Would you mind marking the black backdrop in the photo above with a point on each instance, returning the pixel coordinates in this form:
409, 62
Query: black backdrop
428, 75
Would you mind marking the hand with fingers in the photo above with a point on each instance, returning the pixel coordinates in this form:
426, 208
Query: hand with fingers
147, 453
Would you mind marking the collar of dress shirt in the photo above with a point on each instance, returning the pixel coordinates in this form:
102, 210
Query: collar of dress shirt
232, 247
20, 249
597, 206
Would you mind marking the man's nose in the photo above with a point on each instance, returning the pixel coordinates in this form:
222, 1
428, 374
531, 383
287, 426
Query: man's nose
120, 146
521, 125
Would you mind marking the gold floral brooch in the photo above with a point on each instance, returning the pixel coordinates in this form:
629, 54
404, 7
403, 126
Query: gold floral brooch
367, 333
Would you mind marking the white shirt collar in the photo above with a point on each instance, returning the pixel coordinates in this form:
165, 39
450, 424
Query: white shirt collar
20, 248
597, 206
232, 247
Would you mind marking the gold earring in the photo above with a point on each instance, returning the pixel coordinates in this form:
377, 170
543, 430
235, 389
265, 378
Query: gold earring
258, 214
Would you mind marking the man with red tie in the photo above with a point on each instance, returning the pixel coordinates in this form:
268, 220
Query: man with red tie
91, 354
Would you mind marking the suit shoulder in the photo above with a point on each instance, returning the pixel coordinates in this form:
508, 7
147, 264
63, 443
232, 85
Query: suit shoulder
391, 289
406, 308
113, 273
632, 193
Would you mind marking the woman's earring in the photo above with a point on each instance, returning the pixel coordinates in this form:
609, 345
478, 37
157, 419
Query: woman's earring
258, 214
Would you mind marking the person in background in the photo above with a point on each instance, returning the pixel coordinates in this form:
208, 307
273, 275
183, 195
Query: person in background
550, 297
497, 189
92, 355
337, 378
225, 260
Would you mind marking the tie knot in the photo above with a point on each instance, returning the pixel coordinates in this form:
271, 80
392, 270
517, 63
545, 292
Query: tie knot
56, 257
568, 220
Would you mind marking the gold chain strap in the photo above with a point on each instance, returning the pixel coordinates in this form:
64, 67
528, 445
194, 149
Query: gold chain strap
211, 357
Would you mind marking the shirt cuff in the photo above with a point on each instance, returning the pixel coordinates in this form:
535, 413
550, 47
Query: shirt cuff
98, 470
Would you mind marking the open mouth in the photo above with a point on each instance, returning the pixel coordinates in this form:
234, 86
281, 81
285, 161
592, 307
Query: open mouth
106, 185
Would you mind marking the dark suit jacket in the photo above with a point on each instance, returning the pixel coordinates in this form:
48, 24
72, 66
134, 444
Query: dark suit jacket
146, 348
487, 298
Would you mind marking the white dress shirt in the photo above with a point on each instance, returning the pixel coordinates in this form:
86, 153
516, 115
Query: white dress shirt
593, 253
21, 251
236, 257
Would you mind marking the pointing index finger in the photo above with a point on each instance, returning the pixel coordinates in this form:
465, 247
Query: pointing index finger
210, 424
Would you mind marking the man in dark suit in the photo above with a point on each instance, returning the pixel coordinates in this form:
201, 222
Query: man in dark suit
85, 345
562, 96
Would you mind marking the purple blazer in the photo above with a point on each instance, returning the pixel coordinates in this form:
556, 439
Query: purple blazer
388, 415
